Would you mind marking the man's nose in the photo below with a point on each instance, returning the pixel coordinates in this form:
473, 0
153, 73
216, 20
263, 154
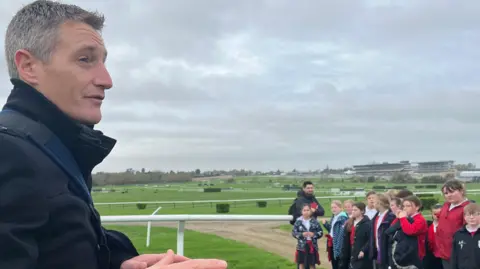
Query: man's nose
103, 78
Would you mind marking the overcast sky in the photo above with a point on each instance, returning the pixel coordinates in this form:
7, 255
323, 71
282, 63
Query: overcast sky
287, 84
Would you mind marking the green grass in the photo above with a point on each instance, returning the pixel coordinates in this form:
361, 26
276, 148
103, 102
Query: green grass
273, 208
200, 245
135, 195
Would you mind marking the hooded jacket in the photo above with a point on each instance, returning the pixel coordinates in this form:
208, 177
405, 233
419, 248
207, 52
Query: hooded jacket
338, 232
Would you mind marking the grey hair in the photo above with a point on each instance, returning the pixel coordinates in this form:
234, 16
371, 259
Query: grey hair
35, 28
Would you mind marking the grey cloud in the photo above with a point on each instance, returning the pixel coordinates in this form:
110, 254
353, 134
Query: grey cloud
271, 84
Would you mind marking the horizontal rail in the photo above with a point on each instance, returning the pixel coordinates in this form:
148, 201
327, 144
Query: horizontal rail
254, 199
168, 218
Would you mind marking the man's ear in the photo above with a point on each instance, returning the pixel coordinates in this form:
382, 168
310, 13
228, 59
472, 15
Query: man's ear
27, 66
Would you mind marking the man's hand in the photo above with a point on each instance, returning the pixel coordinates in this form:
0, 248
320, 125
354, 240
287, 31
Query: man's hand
146, 260
171, 261
168, 262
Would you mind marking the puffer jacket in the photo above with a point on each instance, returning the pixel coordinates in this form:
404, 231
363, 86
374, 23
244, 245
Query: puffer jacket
338, 231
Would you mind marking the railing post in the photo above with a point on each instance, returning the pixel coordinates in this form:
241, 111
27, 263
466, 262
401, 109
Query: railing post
180, 237
149, 227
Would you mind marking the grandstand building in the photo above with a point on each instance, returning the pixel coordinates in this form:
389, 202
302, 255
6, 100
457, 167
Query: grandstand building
435, 167
382, 169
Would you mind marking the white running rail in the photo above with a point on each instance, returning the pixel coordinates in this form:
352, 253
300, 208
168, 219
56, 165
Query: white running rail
181, 219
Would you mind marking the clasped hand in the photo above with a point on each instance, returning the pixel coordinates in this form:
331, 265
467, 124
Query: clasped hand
308, 234
171, 261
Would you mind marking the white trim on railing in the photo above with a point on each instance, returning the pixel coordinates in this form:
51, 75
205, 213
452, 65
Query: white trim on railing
253, 199
183, 218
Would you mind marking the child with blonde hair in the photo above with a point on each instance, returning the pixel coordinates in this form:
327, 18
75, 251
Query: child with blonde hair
335, 228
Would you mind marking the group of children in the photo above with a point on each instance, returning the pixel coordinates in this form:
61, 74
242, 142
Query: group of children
389, 232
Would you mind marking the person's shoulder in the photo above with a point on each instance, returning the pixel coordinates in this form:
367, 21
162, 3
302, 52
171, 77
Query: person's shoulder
15, 158
14, 150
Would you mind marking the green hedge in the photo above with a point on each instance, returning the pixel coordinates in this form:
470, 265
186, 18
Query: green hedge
425, 195
399, 187
223, 208
261, 203
212, 190
428, 203
141, 206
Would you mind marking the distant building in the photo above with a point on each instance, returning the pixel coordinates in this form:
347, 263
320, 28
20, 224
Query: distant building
382, 169
435, 167
469, 176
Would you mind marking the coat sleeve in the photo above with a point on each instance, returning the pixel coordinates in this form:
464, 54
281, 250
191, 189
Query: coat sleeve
367, 236
320, 212
454, 253
121, 248
318, 233
327, 226
23, 207
296, 233
417, 227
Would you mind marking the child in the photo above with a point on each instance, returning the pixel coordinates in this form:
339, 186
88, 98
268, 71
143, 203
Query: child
379, 242
411, 207
347, 206
430, 261
395, 205
451, 219
371, 198
466, 241
307, 231
335, 229
356, 240
403, 249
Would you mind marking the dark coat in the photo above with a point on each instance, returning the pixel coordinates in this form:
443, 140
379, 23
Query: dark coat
430, 261
302, 199
361, 243
299, 229
384, 241
404, 250
42, 223
465, 250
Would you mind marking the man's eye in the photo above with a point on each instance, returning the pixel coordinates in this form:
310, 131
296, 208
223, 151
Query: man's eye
84, 59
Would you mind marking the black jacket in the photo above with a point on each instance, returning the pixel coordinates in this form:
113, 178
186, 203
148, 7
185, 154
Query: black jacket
302, 199
384, 240
404, 249
430, 261
361, 243
42, 224
465, 250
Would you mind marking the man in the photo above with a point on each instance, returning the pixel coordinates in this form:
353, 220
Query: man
56, 61
306, 196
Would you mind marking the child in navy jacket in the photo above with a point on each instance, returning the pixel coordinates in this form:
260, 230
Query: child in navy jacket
307, 231
466, 241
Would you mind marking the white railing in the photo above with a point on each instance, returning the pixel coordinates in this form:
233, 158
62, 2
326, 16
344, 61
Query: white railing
181, 219
254, 199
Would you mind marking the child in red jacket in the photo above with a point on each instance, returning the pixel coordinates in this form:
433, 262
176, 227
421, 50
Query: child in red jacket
418, 228
430, 261
451, 219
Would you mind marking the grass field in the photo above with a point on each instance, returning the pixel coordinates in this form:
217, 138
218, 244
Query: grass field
199, 245
249, 207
